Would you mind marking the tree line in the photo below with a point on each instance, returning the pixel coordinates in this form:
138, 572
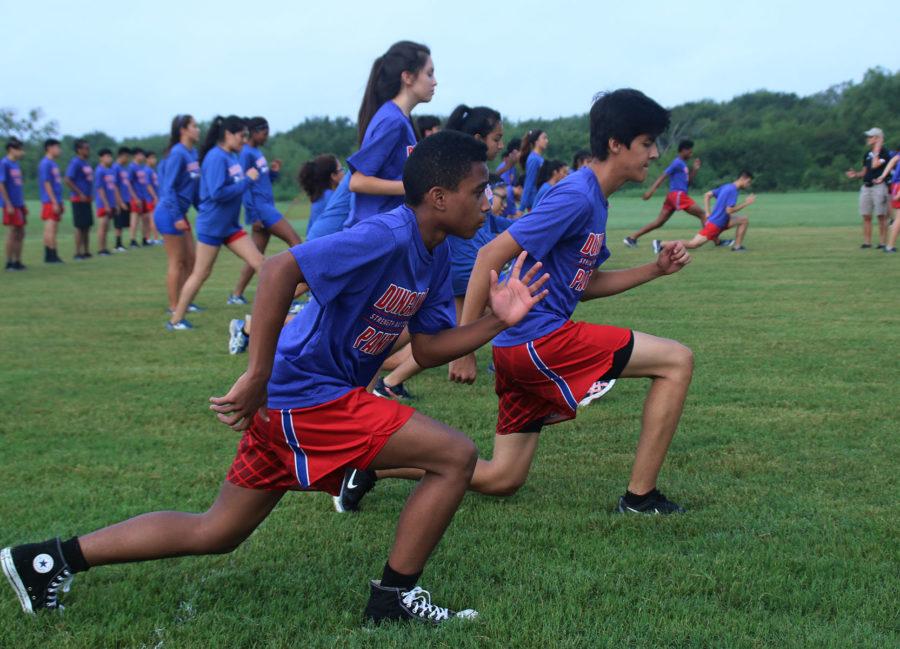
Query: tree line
789, 142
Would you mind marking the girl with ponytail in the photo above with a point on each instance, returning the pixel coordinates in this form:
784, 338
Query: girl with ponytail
222, 186
178, 190
319, 178
399, 80
533, 146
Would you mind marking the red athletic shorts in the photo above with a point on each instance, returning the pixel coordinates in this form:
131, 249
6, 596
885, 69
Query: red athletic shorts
895, 203
149, 206
104, 212
543, 380
710, 230
17, 217
309, 448
137, 206
48, 213
678, 201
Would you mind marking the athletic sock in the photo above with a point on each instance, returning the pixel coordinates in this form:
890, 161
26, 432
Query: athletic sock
390, 578
71, 551
244, 331
119, 242
634, 500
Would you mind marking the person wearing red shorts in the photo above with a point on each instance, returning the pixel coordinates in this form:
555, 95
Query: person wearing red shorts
547, 366
50, 188
12, 202
680, 178
894, 197
370, 282
722, 217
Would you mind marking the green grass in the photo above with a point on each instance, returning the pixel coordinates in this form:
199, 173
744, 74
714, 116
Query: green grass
786, 456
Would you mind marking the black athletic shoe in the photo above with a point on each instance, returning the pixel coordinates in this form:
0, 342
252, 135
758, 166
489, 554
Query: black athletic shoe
134, 244
37, 572
656, 504
87, 255
866, 246
382, 389
388, 604
18, 265
103, 253
357, 483
880, 246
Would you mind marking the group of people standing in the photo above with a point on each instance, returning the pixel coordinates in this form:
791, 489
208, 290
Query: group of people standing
880, 191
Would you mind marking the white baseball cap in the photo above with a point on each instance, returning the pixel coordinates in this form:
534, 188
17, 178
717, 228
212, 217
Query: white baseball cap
875, 131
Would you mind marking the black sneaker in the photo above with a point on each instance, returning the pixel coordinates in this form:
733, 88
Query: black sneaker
103, 253
865, 246
357, 483
37, 572
135, 244
87, 255
10, 266
657, 503
18, 265
382, 389
880, 246
387, 604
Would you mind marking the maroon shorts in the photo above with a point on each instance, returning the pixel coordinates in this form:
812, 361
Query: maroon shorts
18, 217
49, 213
895, 202
309, 448
543, 381
678, 201
710, 230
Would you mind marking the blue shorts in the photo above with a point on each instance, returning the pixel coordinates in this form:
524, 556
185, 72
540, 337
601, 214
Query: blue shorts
265, 214
214, 240
165, 221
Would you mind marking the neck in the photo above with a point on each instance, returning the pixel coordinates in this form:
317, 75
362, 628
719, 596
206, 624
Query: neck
186, 143
429, 227
405, 102
608, 176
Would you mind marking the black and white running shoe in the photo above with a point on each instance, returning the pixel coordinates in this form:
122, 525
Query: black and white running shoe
398, 392
657, 503
38, 573
387, 604
357, 483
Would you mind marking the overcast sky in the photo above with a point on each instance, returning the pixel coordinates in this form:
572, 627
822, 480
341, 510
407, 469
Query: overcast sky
127, 68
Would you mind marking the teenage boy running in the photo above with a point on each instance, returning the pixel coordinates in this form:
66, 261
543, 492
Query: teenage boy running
722, 216
12, 203
680, 178
548, 365
50, 188
370, 282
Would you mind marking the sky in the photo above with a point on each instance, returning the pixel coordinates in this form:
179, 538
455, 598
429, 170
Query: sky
128, 70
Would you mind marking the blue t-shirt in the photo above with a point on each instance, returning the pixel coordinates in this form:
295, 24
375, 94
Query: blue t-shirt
388, 141
368, 283
140, 180
529, 188
895, 174
82, 176
510, 176
567, 232
464, 251
260, 191
154, 178
540, 194
105, 177
179, 186
336, 212
678, 174
316, 209
122, 182
48, 171
11, 177
222, 186
726, 196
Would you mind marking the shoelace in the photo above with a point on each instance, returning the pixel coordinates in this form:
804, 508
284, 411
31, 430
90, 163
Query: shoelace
60, 581
418, 601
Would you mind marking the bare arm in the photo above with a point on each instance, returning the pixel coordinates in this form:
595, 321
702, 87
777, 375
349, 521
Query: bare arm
5, 197
671, 259
491, 257
363, 184
656, 183
693, 170
707, 197
737, 208
889, 168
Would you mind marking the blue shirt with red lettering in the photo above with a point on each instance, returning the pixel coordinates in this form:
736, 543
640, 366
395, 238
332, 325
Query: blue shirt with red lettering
179, 186
123, 182
368, 283
567, 232
260, 192
388, 141
140, 180
678, 174
726, 196
105, 177
48, 171
529, 189
82, 176
222, 187
11, 177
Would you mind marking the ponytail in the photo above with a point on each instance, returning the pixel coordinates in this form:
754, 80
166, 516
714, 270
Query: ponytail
216, 132
179, 122
315, 175
528, 145
480, 120
385, 79
547, 170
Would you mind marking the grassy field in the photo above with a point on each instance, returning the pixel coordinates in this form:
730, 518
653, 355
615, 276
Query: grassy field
787, 459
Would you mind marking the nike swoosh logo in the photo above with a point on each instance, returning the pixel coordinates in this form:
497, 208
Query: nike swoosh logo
350, 483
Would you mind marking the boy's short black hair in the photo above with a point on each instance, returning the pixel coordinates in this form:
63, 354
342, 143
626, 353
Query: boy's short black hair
103, 152
441, 160
79, 144
745, 174
149, 153
685, 144
426, 123
622, 115
14, 143
515, 143
50, 141
138, 151
124, 150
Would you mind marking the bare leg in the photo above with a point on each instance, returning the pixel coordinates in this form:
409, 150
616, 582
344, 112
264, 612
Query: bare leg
664, 215
101, 232
232, 517
670, 365
247, 250
895, 230
260, 237
741, 223
133, 225
696, 210
882, 229
10, 242
286, 232
407, 369
177, 271
867, 229
79, 236
20, 241
203, 263
447, 457
50, 233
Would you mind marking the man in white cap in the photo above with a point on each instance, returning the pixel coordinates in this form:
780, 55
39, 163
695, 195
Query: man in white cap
873, 196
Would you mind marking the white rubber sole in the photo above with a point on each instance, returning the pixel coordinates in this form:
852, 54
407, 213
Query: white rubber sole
12, 576
337, 504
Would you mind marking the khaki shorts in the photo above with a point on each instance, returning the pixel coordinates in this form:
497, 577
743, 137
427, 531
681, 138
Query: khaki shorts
873, 200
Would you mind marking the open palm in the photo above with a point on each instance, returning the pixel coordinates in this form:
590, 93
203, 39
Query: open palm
515, 297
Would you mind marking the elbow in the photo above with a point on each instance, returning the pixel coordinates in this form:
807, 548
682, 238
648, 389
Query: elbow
356, 181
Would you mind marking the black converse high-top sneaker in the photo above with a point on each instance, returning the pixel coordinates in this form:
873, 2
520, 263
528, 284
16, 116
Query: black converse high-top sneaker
37, 572
387, 604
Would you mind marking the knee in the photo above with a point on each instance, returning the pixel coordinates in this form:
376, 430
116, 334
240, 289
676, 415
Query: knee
683, 362
505, 486
465, 456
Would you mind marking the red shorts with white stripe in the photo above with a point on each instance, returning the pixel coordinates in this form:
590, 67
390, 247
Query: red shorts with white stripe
542, 381
309, 448
678, 201
710, 230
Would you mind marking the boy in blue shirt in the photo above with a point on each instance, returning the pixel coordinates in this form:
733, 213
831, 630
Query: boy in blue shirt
723, 216
106, 197
370, 282
127, 193
12, 202
79, 179
50, 187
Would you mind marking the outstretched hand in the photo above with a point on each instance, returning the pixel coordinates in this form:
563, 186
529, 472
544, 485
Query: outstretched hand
512, 299
245, 398
673, 257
